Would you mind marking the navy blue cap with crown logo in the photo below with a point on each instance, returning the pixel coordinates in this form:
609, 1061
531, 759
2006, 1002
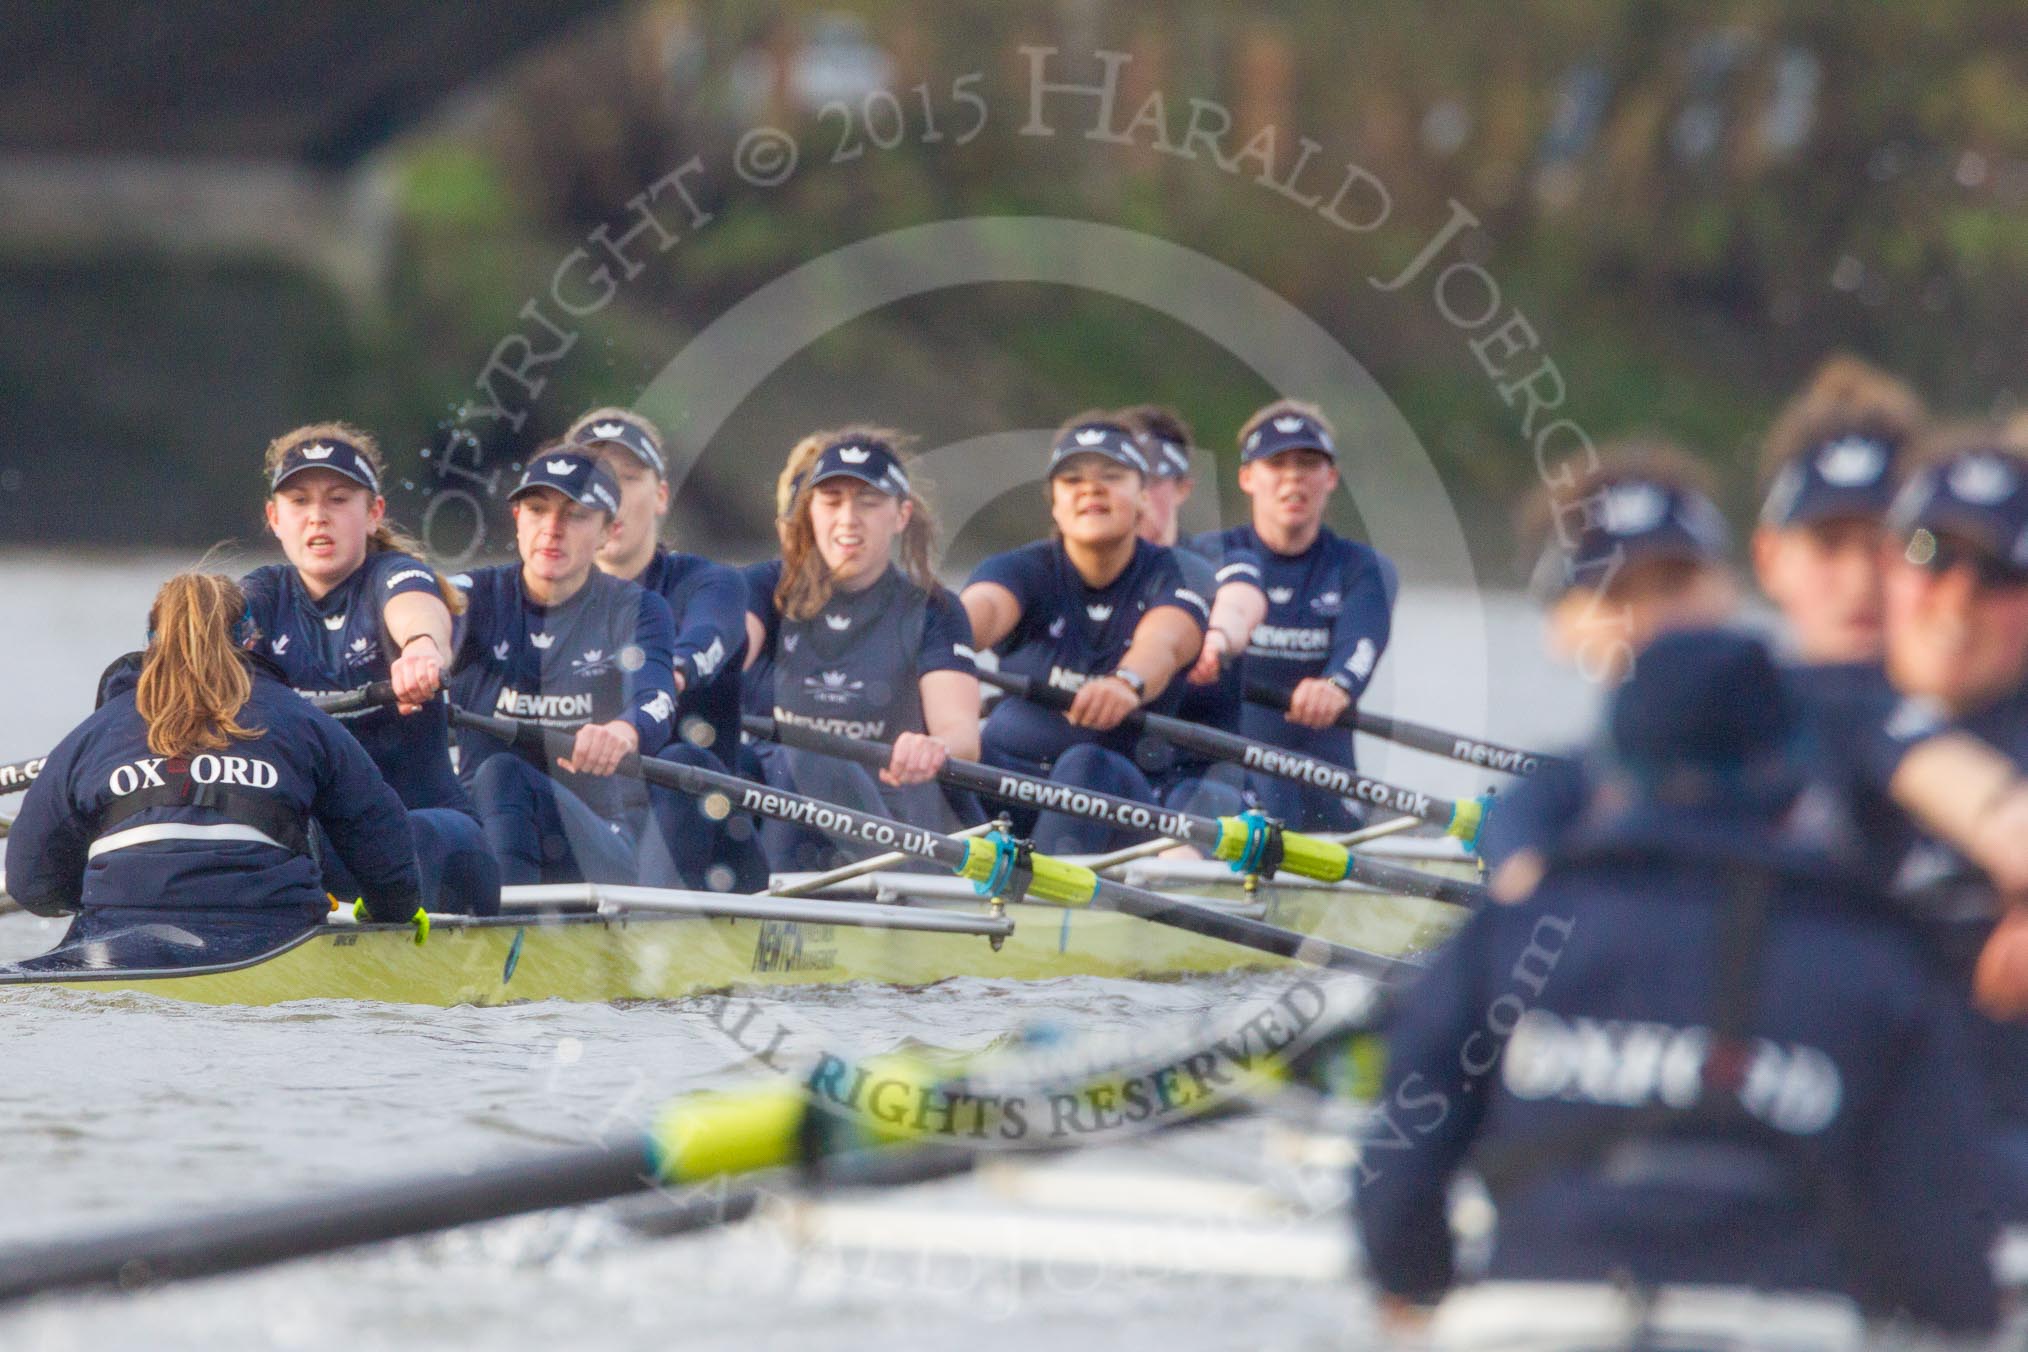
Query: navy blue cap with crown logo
626, 431
1849, 475
1114, 441
1979, 496
868, 459
575, 475
333, 453
1627, 518
1287, 431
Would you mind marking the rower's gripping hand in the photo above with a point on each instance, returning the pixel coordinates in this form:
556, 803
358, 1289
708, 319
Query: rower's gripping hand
916, 759
1102, 703
1318, 703
601, 747
417, 675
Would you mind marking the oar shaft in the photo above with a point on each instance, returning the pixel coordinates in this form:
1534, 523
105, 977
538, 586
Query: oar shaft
1051, 880
18, 776
1121, 813
1268, 760
300, 1227
1419, 736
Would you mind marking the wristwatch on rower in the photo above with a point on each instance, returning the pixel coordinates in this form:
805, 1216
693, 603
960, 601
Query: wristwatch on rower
1134, 681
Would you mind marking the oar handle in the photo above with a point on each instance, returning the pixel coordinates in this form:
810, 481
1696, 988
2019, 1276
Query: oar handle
365, 697
1418, 736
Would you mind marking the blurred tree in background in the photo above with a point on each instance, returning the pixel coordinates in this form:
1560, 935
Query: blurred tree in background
1692, 203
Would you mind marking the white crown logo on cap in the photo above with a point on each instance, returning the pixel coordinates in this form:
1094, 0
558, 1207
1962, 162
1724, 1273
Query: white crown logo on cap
1630, 509
1281, 596
1852, 463
1099, 613
1983, 479
318, 452
852, 455
608, 429
558, 467
1091, 436
1289, 424
542, 640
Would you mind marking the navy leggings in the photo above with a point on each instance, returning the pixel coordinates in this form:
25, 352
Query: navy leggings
459, 874
684, 847
541, 832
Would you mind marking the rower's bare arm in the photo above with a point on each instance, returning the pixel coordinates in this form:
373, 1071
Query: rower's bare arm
1972, 797
950, 711
1235, 611
756, 635
420, 625
993, 612
1166, 642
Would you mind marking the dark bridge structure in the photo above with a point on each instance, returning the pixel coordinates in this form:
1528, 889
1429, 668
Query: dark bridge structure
320, 84
195, 233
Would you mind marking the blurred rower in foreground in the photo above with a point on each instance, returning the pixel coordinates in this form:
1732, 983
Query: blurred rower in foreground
862, 641
176, 819
707, 602
1830, 468
1704, 1075
1627, 547
357, 603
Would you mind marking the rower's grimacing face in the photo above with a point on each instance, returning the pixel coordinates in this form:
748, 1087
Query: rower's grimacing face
557, 538
323, 521
1826, 578
1951, 638
1096, 501
855, 526
1291, 489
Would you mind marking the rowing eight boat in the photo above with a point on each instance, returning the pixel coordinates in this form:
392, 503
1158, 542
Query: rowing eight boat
598, 943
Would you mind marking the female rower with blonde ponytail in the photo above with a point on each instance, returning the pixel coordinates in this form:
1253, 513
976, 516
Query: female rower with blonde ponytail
357, 603
861, 640
176, 820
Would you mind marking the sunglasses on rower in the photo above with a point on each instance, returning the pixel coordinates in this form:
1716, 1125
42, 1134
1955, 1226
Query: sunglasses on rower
1938, 555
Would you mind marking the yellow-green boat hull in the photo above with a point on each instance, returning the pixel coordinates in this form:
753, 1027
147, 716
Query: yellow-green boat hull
642, 956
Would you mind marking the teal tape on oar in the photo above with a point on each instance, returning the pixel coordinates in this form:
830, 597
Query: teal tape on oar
1006, 854
1261, 854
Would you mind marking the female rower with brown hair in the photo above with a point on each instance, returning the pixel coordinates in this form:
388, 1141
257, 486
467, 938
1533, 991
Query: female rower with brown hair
1829, 470
862, 641
357, 603
176, 820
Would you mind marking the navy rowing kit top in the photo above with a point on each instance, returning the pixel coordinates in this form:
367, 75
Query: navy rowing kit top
1845, 1157
1219, 705
708, 603
111, 828
757, 682
856, 668
603, 654
1330, 609
1069, 633
341, 643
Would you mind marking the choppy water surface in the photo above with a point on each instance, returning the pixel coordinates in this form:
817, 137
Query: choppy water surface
121, 1108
